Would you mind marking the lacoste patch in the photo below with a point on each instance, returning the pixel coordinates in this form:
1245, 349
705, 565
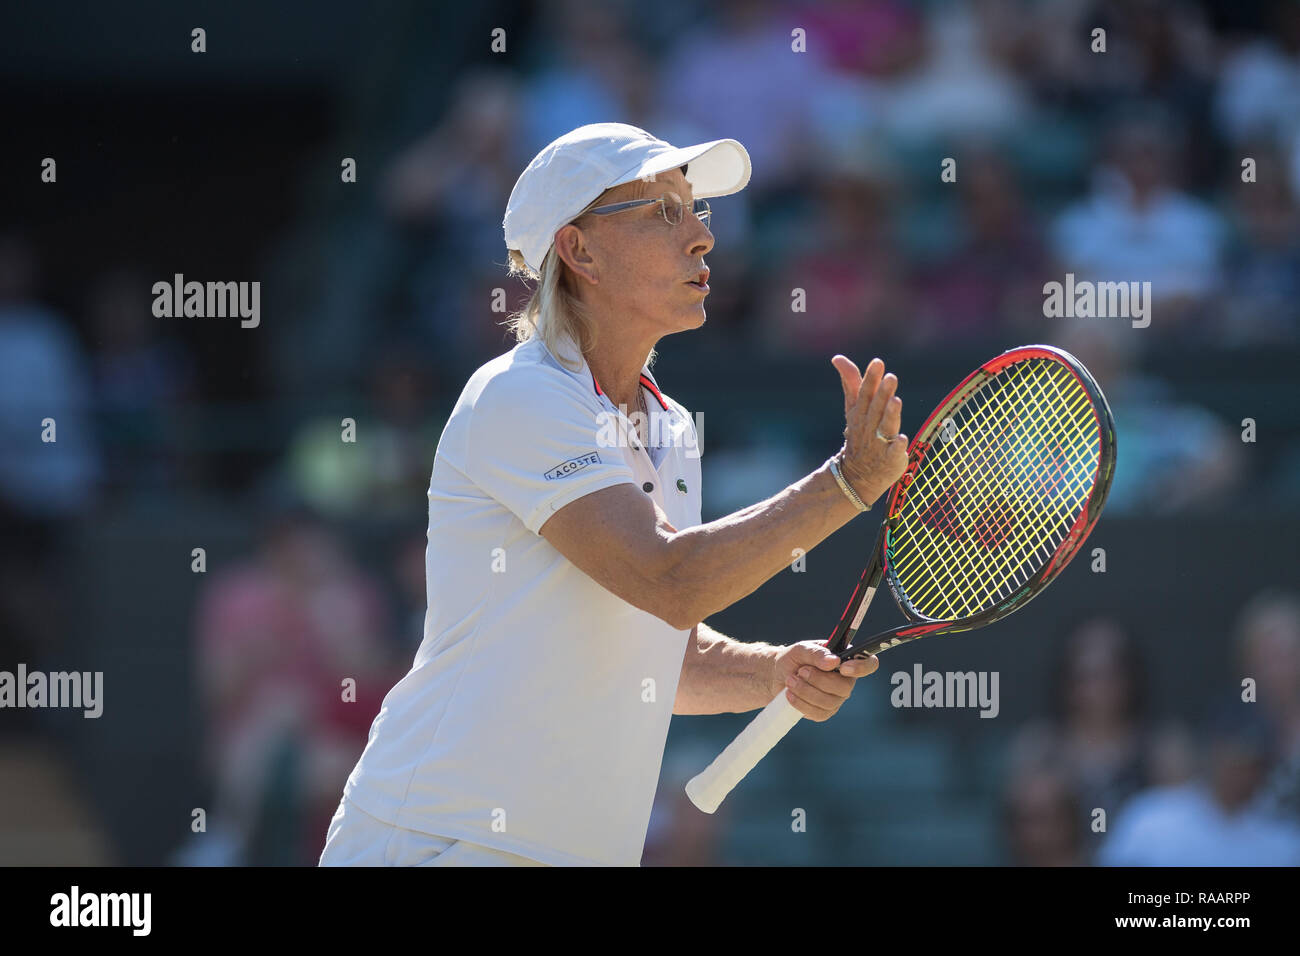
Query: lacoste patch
573, 466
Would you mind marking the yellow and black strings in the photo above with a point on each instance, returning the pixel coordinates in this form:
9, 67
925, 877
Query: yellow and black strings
990, 503
996, 457
983, 492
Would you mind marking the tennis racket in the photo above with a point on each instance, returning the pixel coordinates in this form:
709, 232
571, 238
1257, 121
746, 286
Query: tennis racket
1003, 483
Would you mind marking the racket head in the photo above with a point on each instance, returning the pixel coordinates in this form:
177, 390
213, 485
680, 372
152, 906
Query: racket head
1004, 482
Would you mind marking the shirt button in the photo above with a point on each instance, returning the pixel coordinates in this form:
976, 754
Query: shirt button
648, 487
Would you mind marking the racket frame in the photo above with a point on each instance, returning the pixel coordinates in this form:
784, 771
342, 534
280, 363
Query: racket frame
842, 640
710, 787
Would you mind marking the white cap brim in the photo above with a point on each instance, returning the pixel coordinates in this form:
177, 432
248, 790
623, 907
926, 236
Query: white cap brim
717, 168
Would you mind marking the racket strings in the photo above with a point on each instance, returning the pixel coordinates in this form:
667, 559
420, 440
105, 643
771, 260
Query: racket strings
996, 454
985, 580
1051, 462
990, 505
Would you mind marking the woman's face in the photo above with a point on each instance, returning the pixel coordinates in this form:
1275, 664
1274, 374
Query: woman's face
636, 267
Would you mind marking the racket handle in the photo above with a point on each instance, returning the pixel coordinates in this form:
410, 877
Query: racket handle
710, 787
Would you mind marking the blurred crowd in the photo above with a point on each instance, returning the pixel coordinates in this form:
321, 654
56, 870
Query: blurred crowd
1117, 166
1103, 780
1122, 165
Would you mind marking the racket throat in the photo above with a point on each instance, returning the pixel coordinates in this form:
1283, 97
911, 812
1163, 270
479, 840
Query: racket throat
848, 626
862, 612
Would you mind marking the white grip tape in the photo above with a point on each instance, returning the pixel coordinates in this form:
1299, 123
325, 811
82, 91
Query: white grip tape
710, 787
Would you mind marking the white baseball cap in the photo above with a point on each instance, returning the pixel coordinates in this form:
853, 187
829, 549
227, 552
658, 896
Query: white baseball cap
564, 178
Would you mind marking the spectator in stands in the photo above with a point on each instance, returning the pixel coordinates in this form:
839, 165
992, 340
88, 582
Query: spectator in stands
1137, 225
141, 380
1263, 262
384, 473
1099, 735
741, 75
1268, 647
277, 638
43, 376
1187, 459
1154, 49
873, 38
1218, 820
996, 269
843, 255
1042, 818
585, 50
961, 86
1259, 83
443, 195
49, 463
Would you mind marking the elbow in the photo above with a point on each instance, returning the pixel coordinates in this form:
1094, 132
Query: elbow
681, 600
675, 616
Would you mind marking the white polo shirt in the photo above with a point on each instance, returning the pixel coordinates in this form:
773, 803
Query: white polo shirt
534, 717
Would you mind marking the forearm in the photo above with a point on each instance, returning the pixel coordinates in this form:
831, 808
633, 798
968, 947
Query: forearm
724, 676
711, 566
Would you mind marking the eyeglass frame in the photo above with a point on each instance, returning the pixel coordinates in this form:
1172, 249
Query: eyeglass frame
611, 208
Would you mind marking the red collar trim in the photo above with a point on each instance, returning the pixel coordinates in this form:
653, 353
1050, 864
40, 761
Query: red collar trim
645, 382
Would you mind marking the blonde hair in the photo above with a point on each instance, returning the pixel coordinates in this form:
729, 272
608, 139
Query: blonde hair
553, 313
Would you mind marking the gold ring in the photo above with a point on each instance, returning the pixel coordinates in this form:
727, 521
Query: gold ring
883, 438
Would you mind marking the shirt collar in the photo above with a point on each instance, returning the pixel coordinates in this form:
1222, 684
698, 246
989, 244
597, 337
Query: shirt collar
568, 350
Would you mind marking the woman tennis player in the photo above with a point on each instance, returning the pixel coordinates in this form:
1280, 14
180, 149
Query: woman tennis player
569, 575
